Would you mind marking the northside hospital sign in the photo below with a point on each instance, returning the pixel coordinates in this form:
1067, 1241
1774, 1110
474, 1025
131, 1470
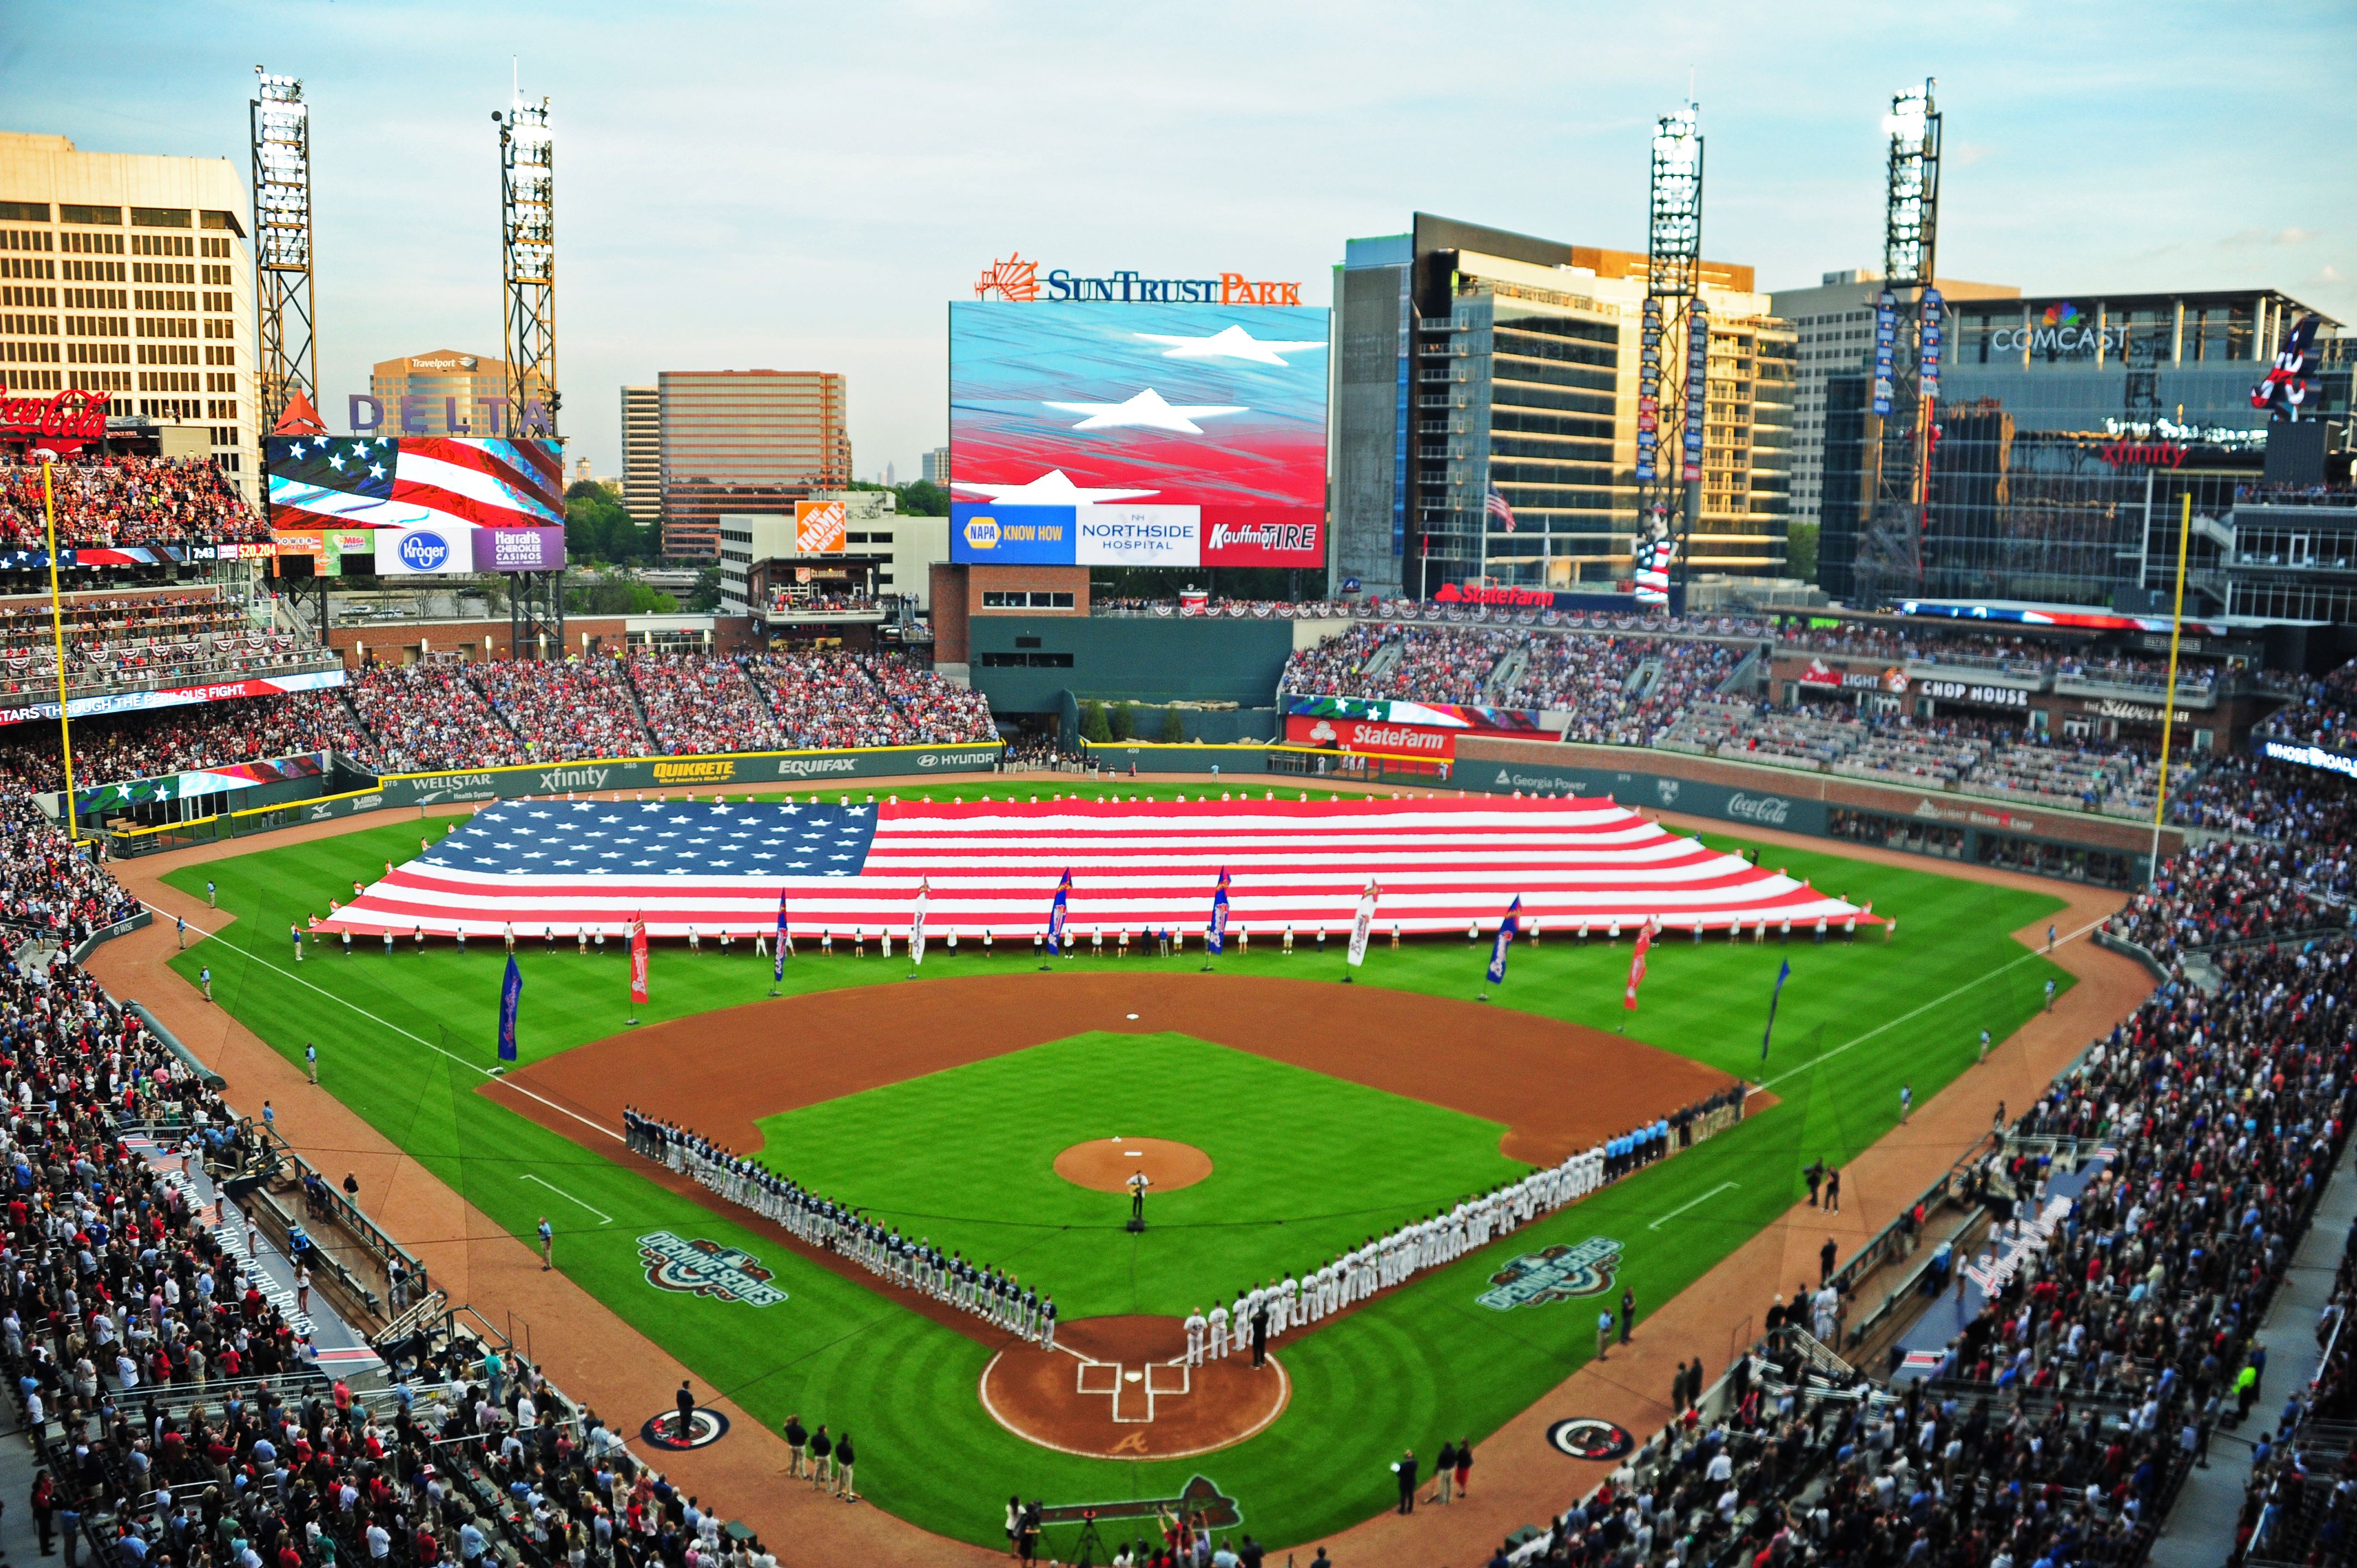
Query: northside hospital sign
1018, 279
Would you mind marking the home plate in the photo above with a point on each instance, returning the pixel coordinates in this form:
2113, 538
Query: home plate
1132, 1377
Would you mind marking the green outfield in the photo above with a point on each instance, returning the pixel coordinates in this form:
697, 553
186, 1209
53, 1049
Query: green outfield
406, 1041
966, 1158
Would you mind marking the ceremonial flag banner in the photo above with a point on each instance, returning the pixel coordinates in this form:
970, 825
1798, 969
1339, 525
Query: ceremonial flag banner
1504, 943
784, 943
638, 960
1637, 967
917, 925
1362, 923
1442, 864
1783, 973
1058, 910
511, 994
1215, 941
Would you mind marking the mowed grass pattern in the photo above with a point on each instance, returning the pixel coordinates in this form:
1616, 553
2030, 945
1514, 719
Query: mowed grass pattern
1427, 1363
1303, 1166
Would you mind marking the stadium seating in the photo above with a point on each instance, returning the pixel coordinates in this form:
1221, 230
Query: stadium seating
115, 747
2222, 892
125, 500
423, 717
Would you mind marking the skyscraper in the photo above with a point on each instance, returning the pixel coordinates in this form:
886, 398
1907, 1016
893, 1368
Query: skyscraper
745, 441
643, 455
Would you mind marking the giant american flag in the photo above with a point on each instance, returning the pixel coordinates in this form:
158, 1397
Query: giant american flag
375, 481
568, 865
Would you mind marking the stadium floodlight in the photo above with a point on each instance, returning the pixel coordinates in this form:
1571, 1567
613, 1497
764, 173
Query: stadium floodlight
1912, 208
287, 357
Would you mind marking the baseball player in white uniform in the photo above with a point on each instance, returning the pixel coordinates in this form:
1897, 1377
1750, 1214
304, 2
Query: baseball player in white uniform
1195, 1324
1218, 1323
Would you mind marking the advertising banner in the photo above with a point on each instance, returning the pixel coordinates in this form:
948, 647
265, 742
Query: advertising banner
229, 777
1515, 723
990, 535
1138, 535
818, 528
425, 552
793, 768
1218, 408
177, 696
1372, 735
519, 549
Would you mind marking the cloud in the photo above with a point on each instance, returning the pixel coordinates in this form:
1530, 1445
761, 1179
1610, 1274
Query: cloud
2290, 235
2327, 275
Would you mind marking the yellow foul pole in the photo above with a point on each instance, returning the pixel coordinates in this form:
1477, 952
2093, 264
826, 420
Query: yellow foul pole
58, 640
2169, 697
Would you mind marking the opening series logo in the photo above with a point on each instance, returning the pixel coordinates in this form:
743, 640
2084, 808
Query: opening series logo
706, 1268
1560, 1272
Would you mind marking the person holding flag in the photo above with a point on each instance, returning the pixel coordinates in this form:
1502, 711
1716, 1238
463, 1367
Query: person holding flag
1215, 935
510, 996
1056, 913
1636, 972
785, 945
917, 927
1503, 943
1363, 924
1783, 973
638, 964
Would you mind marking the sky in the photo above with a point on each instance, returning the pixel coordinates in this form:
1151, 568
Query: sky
805, 187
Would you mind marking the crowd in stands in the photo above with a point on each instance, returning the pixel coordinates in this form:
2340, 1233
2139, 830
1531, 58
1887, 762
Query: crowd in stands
2074, 661
424, 717
47, 887
2223, 891
696, 704
2323, 712
119, 643
2297, 1506
824, 700
2253, 796
117, 747
124, 500
564, 710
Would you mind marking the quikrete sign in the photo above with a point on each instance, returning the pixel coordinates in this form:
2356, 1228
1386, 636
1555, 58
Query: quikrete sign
1016, 279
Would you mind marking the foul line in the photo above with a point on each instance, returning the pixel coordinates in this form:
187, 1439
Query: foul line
1824, 1056
1705, 1198
473, 1067
569, 1198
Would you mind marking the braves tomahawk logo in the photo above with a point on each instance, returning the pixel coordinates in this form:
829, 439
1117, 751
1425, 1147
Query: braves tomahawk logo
706, 1268
1559, 1273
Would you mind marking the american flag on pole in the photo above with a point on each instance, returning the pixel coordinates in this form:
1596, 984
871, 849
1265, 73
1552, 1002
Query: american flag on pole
374, 481
996, 865
1496, 507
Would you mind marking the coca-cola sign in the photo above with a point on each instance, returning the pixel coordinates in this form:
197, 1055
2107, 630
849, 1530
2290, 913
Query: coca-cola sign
61, 423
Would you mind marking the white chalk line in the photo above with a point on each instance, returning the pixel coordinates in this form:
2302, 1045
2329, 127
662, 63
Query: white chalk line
569, 1198
1705, 1198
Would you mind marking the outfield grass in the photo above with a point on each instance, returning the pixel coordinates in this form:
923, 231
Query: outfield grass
1427, 1363
1303, 1166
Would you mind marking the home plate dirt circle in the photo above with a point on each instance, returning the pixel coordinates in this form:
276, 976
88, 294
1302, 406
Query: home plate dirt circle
1105, 1165
1118, 1387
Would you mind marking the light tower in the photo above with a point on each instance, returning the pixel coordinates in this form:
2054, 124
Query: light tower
1672, 399
1910, 336
528, 294
287, 357
528, 265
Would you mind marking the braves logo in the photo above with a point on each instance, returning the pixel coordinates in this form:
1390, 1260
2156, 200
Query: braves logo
1590, 1437
1559, 1273
706, 1268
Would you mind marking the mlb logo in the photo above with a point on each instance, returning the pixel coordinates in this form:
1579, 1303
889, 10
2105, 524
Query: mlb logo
818, 527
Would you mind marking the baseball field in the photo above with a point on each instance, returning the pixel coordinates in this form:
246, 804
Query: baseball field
946, 1105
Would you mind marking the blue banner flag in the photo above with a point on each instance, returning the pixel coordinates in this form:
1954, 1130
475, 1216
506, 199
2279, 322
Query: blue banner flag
777, 958
1056, 912
1783, 973
1498, 949
1217, 941
511, 994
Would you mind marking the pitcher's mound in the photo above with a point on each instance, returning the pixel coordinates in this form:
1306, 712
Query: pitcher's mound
1107, 1165
1116, 1388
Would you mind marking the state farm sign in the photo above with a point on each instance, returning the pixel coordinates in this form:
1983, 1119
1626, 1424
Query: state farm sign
1367, 734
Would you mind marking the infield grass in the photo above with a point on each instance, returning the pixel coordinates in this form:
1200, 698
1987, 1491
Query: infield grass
1856, 1021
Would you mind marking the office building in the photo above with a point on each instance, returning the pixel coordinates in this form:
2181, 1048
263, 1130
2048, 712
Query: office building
1834, 324
643, 455
443, 392
737, 443
1476, 360
937, 467
2070, 429
885, 561
129, 273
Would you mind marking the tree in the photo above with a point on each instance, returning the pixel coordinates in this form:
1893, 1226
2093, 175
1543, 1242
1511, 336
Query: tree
705, 596
597, 528
922, 498
614, 596
1173, 729
1801, 551
1093, 722
1124, 720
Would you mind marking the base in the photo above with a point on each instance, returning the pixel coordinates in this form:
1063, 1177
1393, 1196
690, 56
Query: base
1348, 981
629, 1023
1136, 1225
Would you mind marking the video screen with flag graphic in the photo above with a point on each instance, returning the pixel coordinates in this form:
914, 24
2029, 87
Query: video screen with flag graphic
1138, 435
415, 482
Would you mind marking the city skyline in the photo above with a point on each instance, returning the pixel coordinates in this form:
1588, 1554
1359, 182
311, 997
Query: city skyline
807, 190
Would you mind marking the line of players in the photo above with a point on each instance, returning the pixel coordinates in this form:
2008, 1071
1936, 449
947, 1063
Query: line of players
1387, 1260
998, 1298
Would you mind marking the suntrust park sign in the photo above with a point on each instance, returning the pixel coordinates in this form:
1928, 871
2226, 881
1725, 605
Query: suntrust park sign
1016, 279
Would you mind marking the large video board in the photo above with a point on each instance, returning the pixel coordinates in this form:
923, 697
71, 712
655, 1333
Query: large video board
1137, 434
416, 481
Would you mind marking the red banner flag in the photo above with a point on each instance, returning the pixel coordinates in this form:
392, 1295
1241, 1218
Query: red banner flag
639, 962
1637, 966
